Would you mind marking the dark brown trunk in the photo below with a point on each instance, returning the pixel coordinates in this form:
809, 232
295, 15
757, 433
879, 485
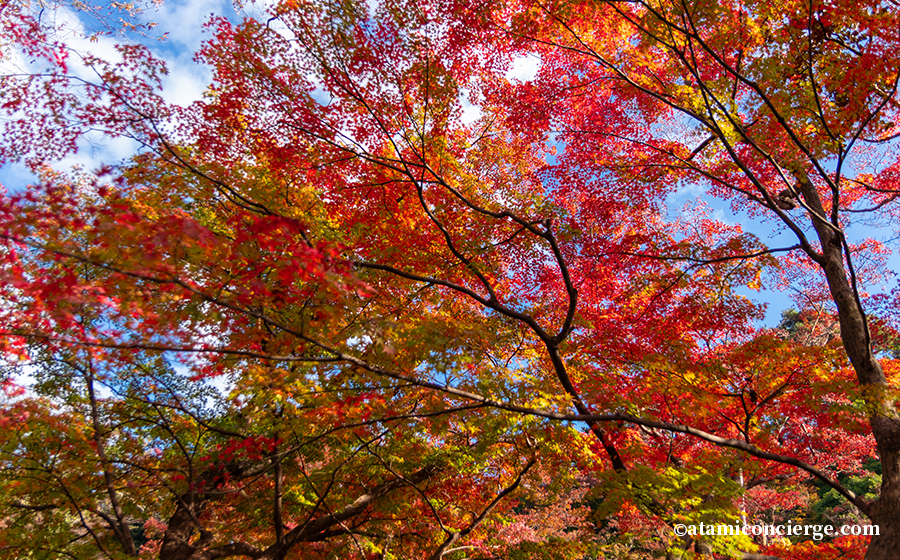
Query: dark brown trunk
885, 422
885, 512
182, 525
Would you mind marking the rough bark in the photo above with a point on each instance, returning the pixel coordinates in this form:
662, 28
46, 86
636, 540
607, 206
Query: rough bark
885, 512
182, 525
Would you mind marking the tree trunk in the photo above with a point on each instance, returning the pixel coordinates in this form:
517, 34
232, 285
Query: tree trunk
885, 512
883, 417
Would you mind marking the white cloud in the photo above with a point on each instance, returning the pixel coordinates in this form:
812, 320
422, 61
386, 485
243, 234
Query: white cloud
524, 68
373, 5
11, 61
470, 113
183, 20
96, 150
185, 83
183, 23
73, 33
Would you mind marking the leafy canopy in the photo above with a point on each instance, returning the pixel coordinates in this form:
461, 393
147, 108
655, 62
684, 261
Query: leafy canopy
370, 298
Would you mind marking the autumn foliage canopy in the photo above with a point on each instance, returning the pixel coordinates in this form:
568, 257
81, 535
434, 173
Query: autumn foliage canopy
374, 296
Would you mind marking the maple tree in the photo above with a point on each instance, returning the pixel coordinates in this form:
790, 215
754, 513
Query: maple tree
326, 313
